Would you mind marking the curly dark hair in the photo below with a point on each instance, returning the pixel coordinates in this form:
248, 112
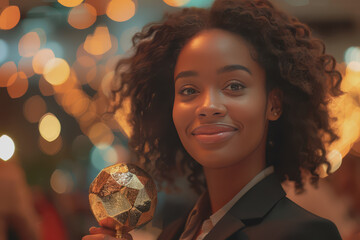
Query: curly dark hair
293, 60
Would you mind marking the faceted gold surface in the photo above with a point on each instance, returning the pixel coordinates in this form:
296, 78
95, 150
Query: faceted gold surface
123, 197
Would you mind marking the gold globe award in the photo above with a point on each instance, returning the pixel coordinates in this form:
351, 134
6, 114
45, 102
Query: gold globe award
123, 197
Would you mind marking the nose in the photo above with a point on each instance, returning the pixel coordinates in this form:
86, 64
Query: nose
211, 105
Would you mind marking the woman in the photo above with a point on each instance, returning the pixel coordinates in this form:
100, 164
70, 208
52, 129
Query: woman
236, 95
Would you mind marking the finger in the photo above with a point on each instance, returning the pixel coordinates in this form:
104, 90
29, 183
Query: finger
126, 236
101, 230
99, 237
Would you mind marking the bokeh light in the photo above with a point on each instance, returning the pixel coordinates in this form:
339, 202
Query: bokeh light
82, 16
9, 17
352, 54
103, 156
25, 66
29, 44
56, 71
17, 85
120, 10
50, 148
3, 50
100, 134
49, 127
34, 108
334, 157
61, 181
176, 3
42, 35
70, 3
41, 58
7, 70
7, 147
100, 6
45, 87
99, 42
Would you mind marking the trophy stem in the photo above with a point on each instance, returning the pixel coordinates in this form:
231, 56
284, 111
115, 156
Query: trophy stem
119, 232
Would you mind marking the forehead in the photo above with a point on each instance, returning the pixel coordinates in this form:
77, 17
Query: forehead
215, 47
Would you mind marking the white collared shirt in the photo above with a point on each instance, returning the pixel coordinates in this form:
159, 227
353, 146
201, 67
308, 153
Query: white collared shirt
202, 206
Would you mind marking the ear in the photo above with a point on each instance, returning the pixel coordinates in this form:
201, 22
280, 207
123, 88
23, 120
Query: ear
274, 106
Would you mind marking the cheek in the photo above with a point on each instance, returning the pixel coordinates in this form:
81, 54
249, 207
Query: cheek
182, 114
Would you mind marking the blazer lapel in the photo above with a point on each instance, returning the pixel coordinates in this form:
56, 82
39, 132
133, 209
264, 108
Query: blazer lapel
253, 206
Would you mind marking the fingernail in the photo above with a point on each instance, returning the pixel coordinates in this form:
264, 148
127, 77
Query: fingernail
92, 228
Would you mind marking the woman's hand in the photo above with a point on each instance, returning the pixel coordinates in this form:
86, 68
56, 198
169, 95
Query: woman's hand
100, 233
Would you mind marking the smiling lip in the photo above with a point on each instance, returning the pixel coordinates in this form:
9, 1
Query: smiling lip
213, 133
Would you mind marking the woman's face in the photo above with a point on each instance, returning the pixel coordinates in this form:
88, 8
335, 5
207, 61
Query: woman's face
220, 110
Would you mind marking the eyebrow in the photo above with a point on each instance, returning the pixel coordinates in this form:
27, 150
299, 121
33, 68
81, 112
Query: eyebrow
227, 68
230, 68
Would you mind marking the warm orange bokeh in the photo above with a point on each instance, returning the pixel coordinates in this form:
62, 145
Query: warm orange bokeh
29, 44
17, 85
70, 3
100, 6
6, 71
25, 66
120, 10
50, 148
176, 3
45, 87
41, 58
100, 134
34, 108
9, 17
56, 71
99, 42
82, 16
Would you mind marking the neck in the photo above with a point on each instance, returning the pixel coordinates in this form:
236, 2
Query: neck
224, 183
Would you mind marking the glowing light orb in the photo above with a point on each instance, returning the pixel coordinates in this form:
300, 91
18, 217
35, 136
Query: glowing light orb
50, 148
82, 16
100, 134
25, 66
103, 156
41, 58
34, 108
29, 44
176, 3
352, 54
98, 43
7, 147
70, 3
56, 71
17, 85
49, 127
334, 157
61, 181
9, 17
7, 70
3, 50
100, 6
120, 10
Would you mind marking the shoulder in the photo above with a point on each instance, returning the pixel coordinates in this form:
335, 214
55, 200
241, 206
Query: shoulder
299, 223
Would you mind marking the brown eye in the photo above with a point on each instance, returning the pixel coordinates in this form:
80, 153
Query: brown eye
234, 86
188, 91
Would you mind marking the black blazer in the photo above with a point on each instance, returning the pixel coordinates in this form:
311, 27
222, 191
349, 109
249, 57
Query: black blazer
264, 213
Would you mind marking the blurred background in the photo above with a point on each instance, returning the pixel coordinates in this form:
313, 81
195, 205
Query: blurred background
57, 60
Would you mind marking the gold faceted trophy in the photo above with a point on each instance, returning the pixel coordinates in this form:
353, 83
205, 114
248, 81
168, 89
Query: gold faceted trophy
123, 197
